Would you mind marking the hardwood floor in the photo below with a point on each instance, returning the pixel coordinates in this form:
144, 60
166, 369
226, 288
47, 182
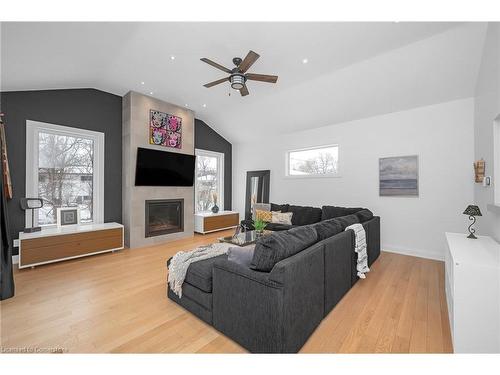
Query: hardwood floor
117, 302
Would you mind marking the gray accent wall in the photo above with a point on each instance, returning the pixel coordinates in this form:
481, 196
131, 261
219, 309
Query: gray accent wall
206, 138
80, 108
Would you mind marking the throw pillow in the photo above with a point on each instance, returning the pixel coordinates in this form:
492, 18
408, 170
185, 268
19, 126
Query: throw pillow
260, 206
263, 215
275, 247
241, 255
282, 217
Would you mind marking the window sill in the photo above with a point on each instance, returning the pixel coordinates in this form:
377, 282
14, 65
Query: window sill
494, 208
313, 176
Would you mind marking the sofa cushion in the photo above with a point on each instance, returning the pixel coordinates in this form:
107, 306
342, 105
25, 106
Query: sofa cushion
271, 249
199, 274
279, 207
276, 227
327, 228
303, 215
364, 215
242, 255
330, 212
347, 220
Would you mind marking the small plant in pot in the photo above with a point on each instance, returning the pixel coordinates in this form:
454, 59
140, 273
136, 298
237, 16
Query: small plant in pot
259, 225
215, 208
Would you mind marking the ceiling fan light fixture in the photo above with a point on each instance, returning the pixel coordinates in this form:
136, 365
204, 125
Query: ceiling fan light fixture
237, 81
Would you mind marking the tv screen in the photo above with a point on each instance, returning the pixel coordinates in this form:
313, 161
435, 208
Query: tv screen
162, 168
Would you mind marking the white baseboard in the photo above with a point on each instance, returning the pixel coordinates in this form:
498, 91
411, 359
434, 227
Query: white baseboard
414, 253
15, 259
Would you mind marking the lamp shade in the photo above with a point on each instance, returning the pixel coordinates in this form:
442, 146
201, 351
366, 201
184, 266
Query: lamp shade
31, 203
472, 211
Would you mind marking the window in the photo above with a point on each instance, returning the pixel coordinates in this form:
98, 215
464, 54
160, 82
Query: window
64, 167
209, 183
320, 161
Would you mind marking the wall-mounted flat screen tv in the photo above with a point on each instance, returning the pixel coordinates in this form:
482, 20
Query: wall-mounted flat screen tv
162, 168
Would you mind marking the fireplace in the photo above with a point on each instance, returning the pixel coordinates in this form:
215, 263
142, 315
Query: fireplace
164, 216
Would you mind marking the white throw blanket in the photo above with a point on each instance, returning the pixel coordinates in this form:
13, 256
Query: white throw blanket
360, 248
180, 262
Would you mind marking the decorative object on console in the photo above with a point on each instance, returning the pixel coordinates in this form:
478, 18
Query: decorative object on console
31, 204
398, 176
472, 211
164, 129
215, 208
68, 216
479, 170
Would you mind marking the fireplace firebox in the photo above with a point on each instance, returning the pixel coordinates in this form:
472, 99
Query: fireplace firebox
164, 216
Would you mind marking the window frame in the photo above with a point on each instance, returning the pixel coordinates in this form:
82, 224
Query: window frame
220, 175
33, 128
496, 162
326, 175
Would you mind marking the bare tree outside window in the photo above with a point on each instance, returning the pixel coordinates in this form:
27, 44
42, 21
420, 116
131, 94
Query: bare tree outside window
65, 175
315, 161
206, 182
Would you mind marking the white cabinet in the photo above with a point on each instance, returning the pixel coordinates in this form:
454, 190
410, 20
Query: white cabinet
472, 283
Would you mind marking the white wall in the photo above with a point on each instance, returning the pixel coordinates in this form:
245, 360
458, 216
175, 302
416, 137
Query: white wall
487, 108
442, 136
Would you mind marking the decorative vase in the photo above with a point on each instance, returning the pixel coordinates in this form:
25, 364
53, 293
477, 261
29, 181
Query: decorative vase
215, 209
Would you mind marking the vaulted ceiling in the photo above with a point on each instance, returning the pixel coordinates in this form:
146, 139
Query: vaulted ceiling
354, 70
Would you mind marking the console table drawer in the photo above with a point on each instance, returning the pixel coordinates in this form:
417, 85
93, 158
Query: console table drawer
220, 221
47, 249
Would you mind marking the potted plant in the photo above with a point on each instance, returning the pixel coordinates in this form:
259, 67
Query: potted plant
259, 225
215, 208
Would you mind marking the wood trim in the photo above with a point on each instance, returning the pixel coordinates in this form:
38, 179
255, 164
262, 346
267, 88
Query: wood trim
211, 223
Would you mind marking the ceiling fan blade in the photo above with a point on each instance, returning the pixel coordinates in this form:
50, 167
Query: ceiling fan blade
244, 91
261, 77
207, 85
215, 65
248, 61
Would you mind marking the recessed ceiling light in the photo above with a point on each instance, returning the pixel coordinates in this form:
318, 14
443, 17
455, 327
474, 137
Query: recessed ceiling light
142, 83
305, 61
204, 106
151, 93
172, 57
185, 105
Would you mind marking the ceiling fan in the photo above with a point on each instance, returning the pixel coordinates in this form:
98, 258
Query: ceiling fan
238, 75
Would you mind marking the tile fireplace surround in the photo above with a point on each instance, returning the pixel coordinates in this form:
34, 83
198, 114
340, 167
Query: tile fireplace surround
135, 133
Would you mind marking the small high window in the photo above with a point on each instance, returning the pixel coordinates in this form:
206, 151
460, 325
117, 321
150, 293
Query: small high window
322, 161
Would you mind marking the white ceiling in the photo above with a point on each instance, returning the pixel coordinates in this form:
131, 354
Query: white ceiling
355, 70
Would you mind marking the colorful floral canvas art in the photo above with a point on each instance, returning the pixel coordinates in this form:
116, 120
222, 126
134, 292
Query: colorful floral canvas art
164, 129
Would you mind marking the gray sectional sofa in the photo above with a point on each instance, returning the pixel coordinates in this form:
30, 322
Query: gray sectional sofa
296, 278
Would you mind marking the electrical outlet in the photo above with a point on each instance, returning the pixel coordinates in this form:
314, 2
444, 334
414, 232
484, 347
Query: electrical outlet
16, 243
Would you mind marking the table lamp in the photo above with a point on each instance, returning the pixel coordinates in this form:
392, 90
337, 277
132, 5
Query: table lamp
31, 204
472, 211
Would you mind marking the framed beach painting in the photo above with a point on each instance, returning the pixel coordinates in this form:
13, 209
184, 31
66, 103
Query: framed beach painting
398, 176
